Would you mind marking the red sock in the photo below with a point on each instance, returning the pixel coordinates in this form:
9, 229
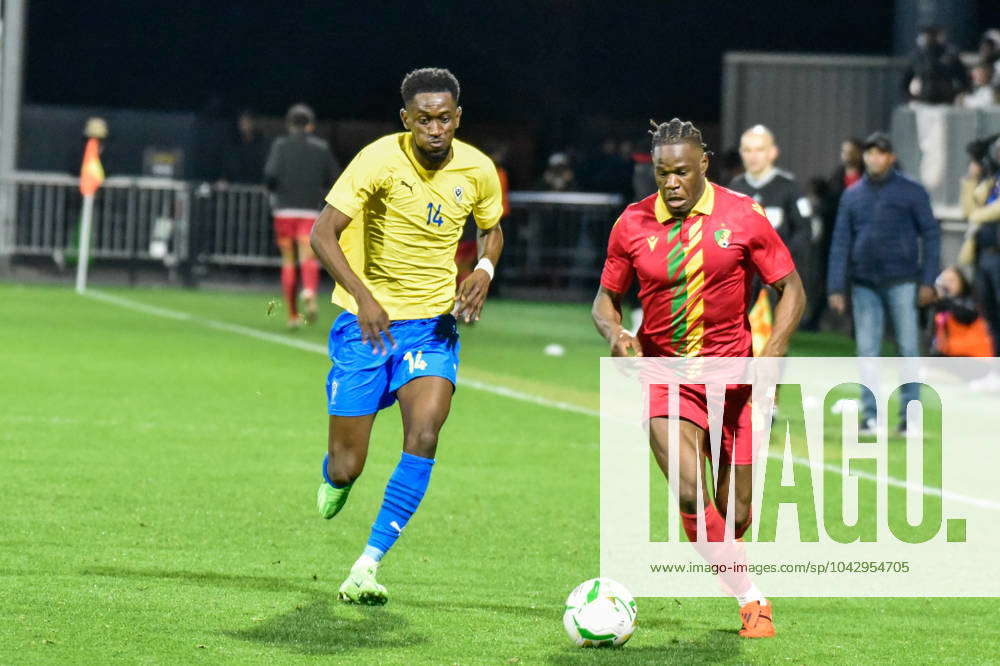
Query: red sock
288, 288
719, 553
715, 524
310, 275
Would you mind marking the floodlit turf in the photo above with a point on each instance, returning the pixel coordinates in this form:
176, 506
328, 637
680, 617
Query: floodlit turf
158, 478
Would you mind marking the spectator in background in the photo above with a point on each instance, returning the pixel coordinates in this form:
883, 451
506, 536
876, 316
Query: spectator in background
245, 152
982, 94
299, 171
848, 172
886, 247
935, 74
558, 176
989, 49
787, 209
980, 199
958, 328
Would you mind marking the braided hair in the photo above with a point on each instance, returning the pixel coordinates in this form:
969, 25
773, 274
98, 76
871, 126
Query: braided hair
676, 131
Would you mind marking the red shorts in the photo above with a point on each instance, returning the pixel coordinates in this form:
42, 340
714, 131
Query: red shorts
737, 433
293, 226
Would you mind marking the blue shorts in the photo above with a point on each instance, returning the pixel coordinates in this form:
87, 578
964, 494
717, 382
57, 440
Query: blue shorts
361, 382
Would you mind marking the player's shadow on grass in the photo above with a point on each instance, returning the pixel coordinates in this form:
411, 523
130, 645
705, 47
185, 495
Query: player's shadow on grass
713, 647
320, 625
509, 609
214, 578
324, 627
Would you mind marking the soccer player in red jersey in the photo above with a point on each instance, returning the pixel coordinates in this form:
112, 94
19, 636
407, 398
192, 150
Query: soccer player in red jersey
695, 247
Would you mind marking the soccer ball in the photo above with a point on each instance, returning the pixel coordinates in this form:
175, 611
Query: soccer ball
600, 613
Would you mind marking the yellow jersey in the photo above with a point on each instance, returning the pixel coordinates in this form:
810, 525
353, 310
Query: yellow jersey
406, 222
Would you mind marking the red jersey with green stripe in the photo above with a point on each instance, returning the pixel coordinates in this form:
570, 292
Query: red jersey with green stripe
695, 274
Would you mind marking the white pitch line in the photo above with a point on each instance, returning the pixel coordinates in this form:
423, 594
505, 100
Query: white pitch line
129, 304
495, 389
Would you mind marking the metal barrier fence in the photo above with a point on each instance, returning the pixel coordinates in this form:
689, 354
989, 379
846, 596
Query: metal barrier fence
134, 218
555, 241
231, 225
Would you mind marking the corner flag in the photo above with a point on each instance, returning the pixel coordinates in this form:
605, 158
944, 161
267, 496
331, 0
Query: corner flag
91, 171
91, 177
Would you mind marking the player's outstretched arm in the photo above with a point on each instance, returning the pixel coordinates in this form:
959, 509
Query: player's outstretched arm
471, 294
607, 315
325, 242
787, 313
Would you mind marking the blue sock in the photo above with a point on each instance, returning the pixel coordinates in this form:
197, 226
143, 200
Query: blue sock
326, 475
403, 493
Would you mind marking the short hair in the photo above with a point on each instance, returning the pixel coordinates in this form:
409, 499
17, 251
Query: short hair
676, 131
299, 116
426, 80
759, 130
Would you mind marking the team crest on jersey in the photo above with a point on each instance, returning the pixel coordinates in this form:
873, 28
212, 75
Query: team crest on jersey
458, 194
722, 237
652, 242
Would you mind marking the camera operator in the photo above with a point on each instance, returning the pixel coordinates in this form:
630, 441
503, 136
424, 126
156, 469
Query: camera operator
980, 198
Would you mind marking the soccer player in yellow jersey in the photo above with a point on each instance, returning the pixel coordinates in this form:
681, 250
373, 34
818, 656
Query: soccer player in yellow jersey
388, 238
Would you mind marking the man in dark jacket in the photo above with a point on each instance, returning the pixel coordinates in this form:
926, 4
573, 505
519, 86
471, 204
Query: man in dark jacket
936, 73
886, 247
829, 191
299, 171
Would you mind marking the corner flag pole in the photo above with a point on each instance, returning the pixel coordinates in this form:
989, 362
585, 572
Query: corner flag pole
91, 177
83, 257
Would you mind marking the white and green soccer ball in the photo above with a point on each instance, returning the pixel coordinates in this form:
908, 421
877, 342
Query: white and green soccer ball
600, 613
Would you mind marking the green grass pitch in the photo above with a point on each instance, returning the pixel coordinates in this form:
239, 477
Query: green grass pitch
157, 478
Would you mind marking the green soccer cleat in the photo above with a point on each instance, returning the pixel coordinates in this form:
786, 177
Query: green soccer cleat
361, 586
330, 500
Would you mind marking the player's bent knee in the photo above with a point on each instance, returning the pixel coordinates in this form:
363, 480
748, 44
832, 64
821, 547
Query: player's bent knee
422, 443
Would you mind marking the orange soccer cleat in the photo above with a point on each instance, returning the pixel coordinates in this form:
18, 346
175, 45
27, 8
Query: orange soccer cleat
757, 620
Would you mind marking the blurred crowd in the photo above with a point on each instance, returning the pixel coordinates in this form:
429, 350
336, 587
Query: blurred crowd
829, 222
937, 73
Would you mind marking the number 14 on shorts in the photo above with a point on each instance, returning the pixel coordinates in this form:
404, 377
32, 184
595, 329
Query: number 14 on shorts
416, 362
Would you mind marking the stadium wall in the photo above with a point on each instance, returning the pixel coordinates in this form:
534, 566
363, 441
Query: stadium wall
810, 102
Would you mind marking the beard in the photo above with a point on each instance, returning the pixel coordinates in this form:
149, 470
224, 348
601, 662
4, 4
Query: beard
435, 157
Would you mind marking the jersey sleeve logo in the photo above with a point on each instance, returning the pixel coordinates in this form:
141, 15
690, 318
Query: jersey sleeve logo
723, 236
458, 194
652, 242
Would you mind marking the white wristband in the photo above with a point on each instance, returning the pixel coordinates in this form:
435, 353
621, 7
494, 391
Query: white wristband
486, 265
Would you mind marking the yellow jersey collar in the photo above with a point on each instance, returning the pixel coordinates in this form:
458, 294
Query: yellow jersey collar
703, 206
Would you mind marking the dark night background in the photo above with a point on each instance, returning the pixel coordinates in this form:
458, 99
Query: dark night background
539, 76
516, 60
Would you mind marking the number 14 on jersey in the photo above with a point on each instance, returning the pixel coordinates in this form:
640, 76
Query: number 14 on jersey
434, 214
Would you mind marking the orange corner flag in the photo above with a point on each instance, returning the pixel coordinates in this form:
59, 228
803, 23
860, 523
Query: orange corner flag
91, 171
